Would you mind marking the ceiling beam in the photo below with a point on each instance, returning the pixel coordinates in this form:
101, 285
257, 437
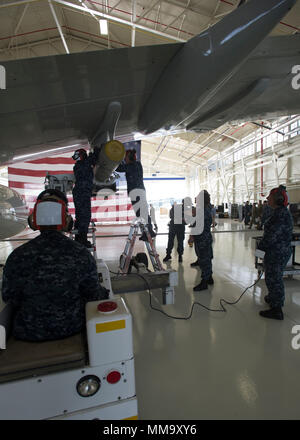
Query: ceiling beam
18, 24
120, 20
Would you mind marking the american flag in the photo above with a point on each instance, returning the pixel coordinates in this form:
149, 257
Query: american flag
28, 179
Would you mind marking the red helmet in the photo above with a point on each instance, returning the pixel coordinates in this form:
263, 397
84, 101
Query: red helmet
80, 154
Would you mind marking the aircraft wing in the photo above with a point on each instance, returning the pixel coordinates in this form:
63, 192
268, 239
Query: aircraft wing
261, 89
61, 100
232, 71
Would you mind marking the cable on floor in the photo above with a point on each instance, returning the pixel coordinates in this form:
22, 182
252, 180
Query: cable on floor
222, 300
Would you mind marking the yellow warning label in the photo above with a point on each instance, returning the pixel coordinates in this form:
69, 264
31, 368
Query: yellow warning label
109, 326
131, 418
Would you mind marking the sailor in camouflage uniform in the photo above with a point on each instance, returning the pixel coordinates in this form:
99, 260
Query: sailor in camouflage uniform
48, 280
133, 170
176, 230
203, 245
276, 243
266, 213
82, 191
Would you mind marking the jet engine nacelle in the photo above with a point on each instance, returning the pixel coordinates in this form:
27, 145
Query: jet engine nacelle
13, 213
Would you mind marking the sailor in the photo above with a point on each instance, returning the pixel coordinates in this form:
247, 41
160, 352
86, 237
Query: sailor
135, 188
203, 244
247, 212
153, 217
259, 212
82, 192
266, 213
176, 229
276, 243
49, 279
254, 214
213, 215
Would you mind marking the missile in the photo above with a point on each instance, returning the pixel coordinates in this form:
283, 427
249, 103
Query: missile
203, 65
111, 155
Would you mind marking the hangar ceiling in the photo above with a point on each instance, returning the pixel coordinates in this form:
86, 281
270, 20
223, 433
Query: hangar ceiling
32, 28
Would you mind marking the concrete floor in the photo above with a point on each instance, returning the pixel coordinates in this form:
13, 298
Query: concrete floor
233, 365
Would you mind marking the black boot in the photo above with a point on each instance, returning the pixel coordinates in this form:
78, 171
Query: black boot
143, 237
202, 286
210, 280
167, 258
152, 233
267, 299
195, 264
273, 313
180, 259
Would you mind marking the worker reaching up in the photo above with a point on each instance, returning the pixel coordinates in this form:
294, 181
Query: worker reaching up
135, 188
82, 192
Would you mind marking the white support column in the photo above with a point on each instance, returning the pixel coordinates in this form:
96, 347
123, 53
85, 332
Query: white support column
208, 180
58, 27
274, 159
225, 189
245, 178
157, 15
133, 21
108, 33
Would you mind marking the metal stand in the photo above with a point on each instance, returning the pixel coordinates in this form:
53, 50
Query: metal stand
127, 254
61, 182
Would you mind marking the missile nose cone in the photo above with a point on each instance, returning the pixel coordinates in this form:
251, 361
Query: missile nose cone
114, 150
110, 156
206, 62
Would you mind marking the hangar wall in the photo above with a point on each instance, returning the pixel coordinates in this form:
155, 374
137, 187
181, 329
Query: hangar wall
238, 176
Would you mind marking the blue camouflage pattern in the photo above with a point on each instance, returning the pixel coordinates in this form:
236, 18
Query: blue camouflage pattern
176, 230
203, 245
82, 191
266, 213
49, 280
134, 174
83, 209
134, 178
276, 243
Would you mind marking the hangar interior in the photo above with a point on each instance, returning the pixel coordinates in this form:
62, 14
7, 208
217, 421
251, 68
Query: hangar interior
209, 365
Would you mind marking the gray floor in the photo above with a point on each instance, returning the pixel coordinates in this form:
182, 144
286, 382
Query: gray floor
233, 365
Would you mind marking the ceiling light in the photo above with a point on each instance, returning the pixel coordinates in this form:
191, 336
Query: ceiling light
103, 27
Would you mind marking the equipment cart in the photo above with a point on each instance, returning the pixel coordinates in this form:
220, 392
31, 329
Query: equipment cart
292, 267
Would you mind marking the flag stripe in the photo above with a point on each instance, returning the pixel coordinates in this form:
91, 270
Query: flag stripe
28, 178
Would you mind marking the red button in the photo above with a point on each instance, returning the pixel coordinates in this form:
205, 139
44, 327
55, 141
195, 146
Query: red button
113, 377
107, 306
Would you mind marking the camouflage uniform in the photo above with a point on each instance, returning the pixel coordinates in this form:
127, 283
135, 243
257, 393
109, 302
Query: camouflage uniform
176, 230
82, 191
276, 243
266, 213
247, 213
48, 280
134, 175
134, 178
203, 246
